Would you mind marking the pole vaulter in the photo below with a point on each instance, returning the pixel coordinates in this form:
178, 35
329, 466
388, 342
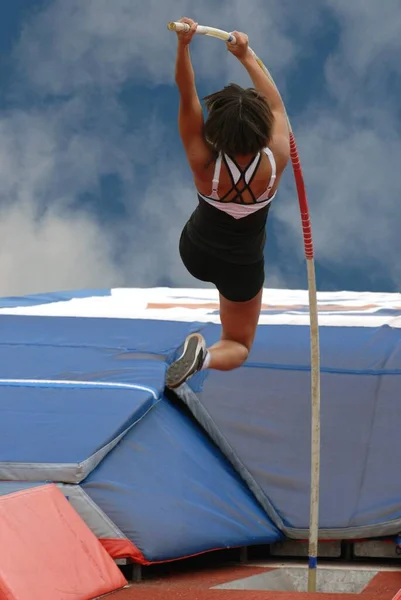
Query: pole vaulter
313, 310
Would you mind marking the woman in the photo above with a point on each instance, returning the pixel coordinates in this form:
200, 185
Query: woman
237, 158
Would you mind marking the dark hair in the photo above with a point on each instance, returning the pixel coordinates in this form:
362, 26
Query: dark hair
239, 121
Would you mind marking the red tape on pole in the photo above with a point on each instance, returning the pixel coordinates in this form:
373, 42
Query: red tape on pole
302, 198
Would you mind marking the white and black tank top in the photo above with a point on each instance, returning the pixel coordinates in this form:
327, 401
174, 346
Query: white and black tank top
228, 227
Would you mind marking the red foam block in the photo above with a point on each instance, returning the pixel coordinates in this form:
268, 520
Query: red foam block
47, 552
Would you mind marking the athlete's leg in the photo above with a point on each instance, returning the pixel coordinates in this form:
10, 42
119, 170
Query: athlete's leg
239, 321
239, 317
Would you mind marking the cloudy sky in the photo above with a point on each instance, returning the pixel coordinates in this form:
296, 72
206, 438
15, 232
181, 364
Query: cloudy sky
94, 185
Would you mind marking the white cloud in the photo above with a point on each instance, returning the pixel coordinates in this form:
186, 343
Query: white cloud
371, 34
61, 250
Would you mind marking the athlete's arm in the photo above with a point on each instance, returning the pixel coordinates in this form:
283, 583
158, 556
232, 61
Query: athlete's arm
190, 114
281, 135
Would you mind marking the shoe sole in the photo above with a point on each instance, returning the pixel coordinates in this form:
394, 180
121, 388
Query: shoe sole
187, 364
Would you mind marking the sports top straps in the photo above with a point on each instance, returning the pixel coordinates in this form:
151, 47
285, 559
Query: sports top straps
241, 180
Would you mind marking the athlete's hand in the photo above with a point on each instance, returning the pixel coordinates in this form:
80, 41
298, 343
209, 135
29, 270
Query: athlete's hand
241, 48
185, 37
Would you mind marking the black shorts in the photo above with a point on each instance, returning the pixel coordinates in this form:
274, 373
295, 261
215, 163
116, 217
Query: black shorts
237, 283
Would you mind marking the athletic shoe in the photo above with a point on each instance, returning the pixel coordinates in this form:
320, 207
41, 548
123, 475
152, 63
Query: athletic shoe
189, 363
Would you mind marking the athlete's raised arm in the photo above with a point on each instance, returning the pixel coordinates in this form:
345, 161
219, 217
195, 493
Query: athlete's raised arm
280, 142
190, 116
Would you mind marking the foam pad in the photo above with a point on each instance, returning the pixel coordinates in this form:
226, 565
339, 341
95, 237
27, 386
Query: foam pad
48, 553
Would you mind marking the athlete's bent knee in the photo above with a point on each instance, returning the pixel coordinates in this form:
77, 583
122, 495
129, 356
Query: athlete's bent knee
247, 342
236, 355
244, 353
